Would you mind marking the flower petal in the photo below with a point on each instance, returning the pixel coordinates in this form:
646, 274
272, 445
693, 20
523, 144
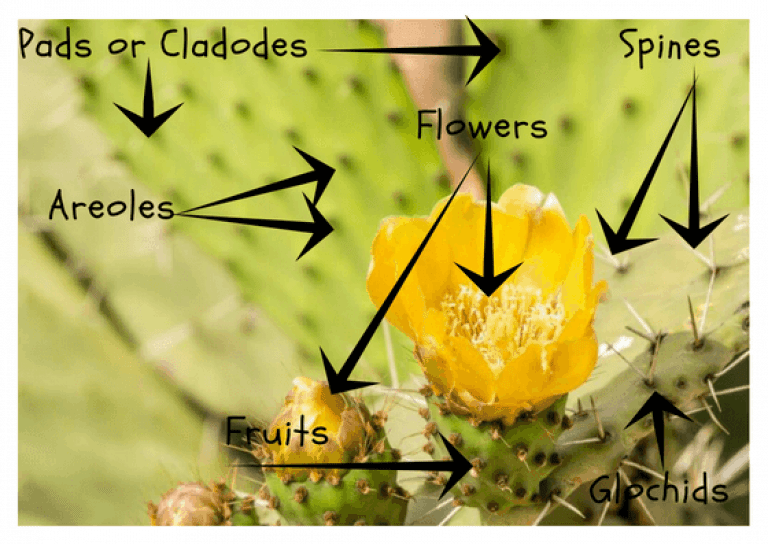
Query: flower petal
470, 370
462, 231
572, 364
578, 281
578, 326
393, 247
548, 252
522, 378
521, 199
433, 354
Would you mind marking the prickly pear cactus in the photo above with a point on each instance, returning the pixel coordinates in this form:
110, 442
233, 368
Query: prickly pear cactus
209, 320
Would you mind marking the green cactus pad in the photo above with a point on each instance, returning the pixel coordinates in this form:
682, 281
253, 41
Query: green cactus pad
508, 461
657, 280
606, 118
236, 131
360, 497
680, 376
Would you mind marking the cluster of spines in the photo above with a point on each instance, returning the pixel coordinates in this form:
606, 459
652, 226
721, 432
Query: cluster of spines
606, 444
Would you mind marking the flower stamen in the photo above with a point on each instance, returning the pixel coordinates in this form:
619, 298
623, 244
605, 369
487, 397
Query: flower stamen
502, 327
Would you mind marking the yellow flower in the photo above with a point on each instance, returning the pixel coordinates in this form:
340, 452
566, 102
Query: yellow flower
336, 429
528, 344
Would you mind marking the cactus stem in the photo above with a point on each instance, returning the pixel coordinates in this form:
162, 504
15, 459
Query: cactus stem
640, 320
712, 415
713, 393
730, 366
449, 516
569, 506
640, 501
629, 363
543, 513
600, 429
638, 466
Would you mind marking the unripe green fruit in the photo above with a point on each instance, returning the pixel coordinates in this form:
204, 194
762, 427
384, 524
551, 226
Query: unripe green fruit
509, 460
358, 497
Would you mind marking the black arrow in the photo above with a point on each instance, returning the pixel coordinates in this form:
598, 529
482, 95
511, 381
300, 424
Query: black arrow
657, 404
321, 173
486, 50
488, 283
147, 122
319, 227
694, 234
338, 382
617, 241
458, 466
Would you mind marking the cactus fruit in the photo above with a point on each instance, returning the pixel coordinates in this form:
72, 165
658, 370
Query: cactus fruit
342, 430
194, 503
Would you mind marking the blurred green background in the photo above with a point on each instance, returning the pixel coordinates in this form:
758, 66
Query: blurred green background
137, 338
